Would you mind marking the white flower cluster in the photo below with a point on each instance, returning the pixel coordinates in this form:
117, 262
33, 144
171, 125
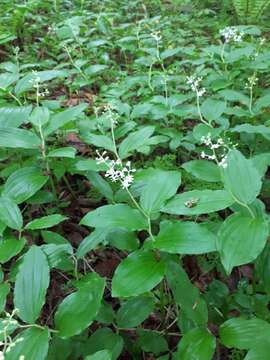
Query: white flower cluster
36, 85
231, 33
194, 83
156, 35
111, 114
116, 170
252, 81
213, 146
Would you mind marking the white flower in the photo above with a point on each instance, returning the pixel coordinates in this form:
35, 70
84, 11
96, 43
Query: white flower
101, 159
231, 33
116, 171
194, 83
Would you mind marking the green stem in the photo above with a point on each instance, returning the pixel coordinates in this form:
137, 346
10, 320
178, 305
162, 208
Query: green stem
199, 111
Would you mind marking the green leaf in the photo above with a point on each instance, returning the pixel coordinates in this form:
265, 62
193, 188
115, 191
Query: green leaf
24, 84
78, 310
165, 184
101, 141
262, 267
100, 355
241, 239
59, 256
213, 109
135, 140
105, 339
112, 216
253, 129
186, 295
203, 170
234, 96
198, 202
30, 344
62, 118
94, 69
259, 352
4, 291
31, 284
244, 334
100, 184
241, 178
91, 242
135, 311
197, 344
136, 274
151, 341
67, 152
185, 238
45, 222
40, 116
10, 213
9, 247
14, 116
18, 138
24, 183
123, 239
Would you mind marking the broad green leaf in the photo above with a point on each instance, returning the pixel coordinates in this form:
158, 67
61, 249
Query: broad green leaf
245, 334
45, 222
30, 344
59, 349
101, 141
4, 291
213, 109
24, 183
105, 339
135, 140
240, 177
9, 247
100, 184
203, 170
100, 355
259, 352
241, 239
31, 284
10, 213
62, 118
262, 266
198, 202
197, 344
18, 138
40, 116
59, 256
185, 237
24, 84
78, 310
94, 69
253, 129
165, 185
151, 341
234, 96
112, 216
135, 311
67, 152
91, 242
136, 274
123, 239
14, 116
90, 165
6, 79
186, 295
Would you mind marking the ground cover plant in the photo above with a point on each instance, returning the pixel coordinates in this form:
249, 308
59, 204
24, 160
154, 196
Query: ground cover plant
135, 190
